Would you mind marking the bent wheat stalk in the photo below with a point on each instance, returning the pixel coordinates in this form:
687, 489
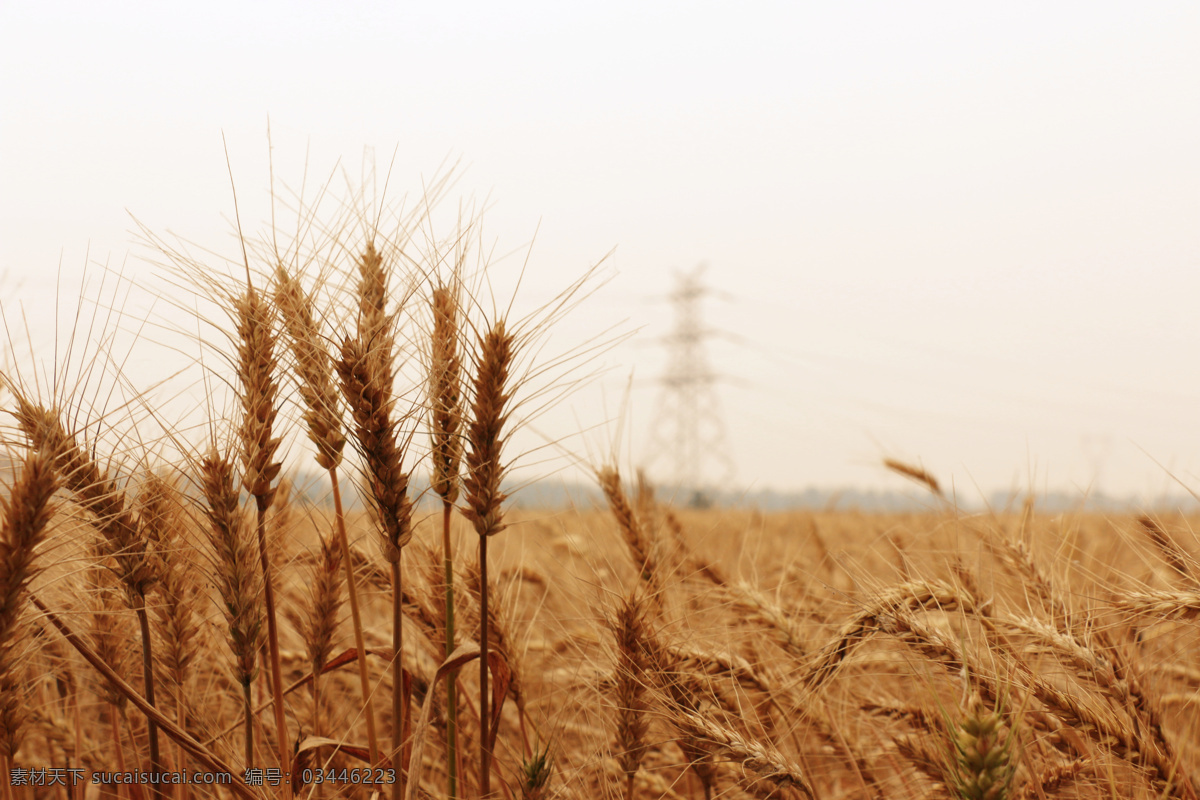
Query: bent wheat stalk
199, 752
122, 534
27, 512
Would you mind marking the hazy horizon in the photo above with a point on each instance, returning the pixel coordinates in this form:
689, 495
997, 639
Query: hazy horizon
963, 237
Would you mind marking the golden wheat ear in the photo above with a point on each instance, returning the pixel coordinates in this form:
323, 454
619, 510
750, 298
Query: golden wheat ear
313, 366
27, 513
110, 638
1175, 556
632, 685
258, 389
913, 473
161, 509
709, 738
320, 616
445, 395
366, 371
445, 454
238, 580
642, 549
483, 496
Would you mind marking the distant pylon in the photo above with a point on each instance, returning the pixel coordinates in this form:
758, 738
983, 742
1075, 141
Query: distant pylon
689, 431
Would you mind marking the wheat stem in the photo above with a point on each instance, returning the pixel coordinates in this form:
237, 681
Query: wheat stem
364, 675
197, 750
452, 677
116, 736
148, 674
484, 496
398, 715
248, 716
273, 643
485, 746
445, 413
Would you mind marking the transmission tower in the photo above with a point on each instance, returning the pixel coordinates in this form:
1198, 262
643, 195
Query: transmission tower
689, 431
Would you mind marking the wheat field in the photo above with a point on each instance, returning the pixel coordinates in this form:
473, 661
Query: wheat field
170, 606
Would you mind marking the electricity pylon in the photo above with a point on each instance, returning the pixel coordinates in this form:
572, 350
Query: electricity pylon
689, 431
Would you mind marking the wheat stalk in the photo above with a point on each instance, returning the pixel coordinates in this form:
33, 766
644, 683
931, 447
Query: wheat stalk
124, 539
366, 372
256, 367
482, 489
323, 418
445, 417
501, 636
200, 753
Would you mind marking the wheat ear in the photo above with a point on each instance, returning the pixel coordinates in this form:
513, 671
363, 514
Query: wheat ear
981, 765
314, 368
323, 417
445, 417
632, 677
237, 581
163, 519
257, 365
1171, 552
110, 641
885, 612
366, 372
320, 620
642, 548
1161, 605
483, 495
767, 763
914, 473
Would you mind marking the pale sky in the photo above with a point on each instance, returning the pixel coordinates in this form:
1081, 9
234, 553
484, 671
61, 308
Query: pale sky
960, 234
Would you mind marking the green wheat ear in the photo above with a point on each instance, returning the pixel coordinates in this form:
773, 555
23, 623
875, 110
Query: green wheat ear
535, 774
982, 758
